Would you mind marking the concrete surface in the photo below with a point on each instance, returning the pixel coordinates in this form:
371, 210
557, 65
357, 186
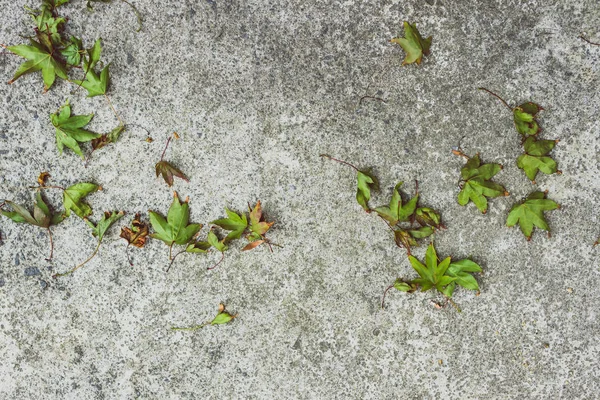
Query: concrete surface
257, 90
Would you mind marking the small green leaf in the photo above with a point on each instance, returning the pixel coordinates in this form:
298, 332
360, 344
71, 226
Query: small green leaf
365, 181
525, 118
108, 219
95, 84
478, 185
214, 241
536, 158
413, 44
176, 229
236, 223
69, 129
396, 212
530, 213
72, 199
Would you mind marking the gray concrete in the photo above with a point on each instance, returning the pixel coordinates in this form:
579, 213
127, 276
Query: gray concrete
257, 90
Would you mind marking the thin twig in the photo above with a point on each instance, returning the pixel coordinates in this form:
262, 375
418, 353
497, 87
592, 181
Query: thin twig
371, 97
166, 146
173, 260
588, 41
191, 328
383, 298
496, 96
340, 161
113, 110
51, 245
215, 266
80, 265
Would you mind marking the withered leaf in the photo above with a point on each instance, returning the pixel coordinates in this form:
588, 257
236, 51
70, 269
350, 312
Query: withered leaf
168, 171
137, 234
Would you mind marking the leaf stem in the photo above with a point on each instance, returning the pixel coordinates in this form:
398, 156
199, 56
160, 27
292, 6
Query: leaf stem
215, 266
51, 244
80, 265
340, 161
166, 146
453, 304
113, 109
137, 14
383, 298
371, 97
173, 260
496, 96
191, 328
588, 41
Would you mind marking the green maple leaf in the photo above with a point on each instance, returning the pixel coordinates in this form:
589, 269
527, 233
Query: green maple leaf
72, 199
462, 270
222, 317
397, 212
176, 229
428, 217
108, 219
95, 84
536, 158
433, 273
442, 275
72, 52
413, 44
525, 118
69, 129
365, 182
530, 213
236, 223
477, 186
524, 115
42, 216
38, 58
214, 241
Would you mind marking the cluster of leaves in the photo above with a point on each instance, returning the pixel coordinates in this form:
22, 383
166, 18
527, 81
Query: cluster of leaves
406, 219
54, 53
442, 275
536, 156
43, 216
222, 317
176, 230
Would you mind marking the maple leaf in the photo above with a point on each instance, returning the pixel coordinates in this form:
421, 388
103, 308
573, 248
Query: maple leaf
42, 216
524, 115
69, 129
365, 183
72, 199
98, 231
136, 235
49, 26
176, 229
530, 213
477, 185
236, 223
166, 169
95, 84
222, 317
38, 59
72, 52
428, 217
258, 228
536, 158
413, 44
397, 212
525, 118
107, 138
442, 275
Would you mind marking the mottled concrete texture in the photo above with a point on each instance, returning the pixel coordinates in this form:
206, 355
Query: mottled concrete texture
257, 90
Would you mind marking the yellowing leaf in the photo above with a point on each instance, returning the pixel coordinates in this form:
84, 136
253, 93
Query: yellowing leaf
413, 44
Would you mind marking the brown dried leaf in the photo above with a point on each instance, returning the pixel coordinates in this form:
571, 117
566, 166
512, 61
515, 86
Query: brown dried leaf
136, 235
168, 171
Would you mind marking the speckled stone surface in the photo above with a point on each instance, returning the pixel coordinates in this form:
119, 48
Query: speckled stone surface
257, 90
